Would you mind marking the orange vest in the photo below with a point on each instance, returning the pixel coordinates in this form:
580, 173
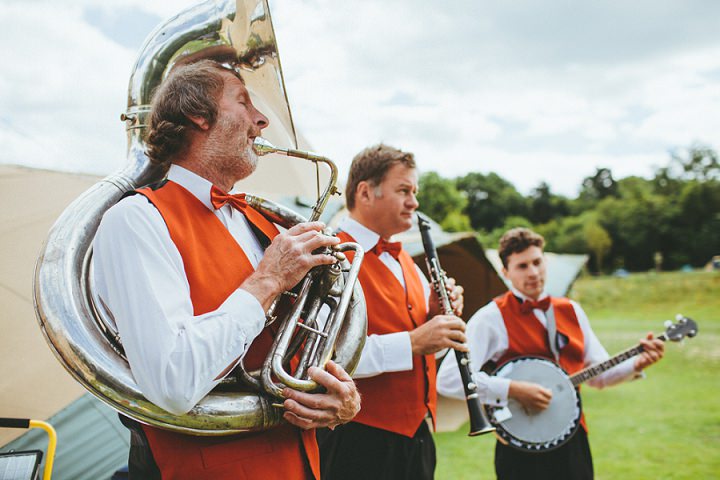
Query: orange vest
528, 337
215, 266
395, 401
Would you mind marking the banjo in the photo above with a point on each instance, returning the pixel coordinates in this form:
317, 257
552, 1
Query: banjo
554, 426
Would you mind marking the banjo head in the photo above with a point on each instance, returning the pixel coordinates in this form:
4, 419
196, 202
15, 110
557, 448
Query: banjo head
545, 430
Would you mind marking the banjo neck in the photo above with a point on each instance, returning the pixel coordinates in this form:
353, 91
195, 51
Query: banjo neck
595, 370
675, 332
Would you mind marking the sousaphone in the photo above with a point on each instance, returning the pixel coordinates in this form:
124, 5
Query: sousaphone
81, 334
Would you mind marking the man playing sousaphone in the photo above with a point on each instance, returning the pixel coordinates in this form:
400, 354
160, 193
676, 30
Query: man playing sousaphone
516, 325
188, 271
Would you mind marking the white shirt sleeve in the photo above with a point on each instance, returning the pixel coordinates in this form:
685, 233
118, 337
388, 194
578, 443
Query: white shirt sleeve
391, 352
596, 353
487, 339
175, 356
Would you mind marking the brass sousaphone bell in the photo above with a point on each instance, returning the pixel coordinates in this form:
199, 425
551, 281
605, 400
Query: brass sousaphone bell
83, 336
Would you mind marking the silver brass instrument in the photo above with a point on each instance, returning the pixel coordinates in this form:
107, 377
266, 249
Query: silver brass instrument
328, 284
82, 333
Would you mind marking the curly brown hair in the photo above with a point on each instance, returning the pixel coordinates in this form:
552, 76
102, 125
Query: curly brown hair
191, 90
371, 165
517, 240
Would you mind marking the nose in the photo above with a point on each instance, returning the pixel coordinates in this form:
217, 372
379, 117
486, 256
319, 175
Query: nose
412, 201
260, 120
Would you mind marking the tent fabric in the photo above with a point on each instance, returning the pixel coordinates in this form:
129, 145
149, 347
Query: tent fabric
33, 383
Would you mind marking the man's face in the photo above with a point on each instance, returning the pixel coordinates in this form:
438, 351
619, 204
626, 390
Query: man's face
526, 271
238, 123
393, 202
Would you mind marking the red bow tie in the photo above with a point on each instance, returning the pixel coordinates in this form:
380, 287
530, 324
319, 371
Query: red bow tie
220, 198
393, 248
528, 305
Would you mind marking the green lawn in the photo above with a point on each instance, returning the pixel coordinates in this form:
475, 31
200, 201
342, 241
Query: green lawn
666, 426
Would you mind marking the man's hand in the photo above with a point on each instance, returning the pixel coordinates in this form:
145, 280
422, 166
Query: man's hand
455, 294
442, 331
338, 405
653, 350
533, 397
288, 258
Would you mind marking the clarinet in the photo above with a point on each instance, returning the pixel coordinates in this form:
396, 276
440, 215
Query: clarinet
479, 423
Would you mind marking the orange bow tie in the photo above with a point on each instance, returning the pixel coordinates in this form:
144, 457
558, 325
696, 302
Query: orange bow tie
393, 248
528, 305
218, 198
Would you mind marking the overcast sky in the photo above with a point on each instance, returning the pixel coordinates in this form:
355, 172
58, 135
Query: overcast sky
544, 90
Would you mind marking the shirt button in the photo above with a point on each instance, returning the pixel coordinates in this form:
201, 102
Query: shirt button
409, 307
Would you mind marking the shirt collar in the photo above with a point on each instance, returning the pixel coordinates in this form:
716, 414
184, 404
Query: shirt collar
362, 235
522, 297
193, 183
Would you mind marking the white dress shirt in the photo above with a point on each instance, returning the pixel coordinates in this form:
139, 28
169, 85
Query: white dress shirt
175, 356
488, 340
391, 352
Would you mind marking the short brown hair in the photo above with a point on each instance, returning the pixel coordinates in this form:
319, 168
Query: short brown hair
517, 240
191, 90
371, 165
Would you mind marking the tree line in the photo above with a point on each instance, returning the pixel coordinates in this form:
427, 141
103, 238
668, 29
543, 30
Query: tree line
667, 221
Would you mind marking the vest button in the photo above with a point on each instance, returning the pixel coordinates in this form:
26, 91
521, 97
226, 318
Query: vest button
409, 307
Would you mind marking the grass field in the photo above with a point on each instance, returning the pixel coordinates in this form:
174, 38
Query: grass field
666, 426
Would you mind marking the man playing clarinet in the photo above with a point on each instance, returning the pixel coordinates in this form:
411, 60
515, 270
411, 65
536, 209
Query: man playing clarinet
390, 438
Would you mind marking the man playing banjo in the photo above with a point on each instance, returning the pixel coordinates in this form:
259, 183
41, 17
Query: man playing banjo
517, 325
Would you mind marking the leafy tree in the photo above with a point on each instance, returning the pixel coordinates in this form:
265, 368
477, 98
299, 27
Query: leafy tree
491, 200
456, 222
440, 199
598, 241
571, 235
544, 205
639, 223
665, 183
700, 163
600, 185
625, 222
594, 189
492, 239
695, 227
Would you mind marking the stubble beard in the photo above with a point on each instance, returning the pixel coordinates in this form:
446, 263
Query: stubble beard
246, 163
237, 159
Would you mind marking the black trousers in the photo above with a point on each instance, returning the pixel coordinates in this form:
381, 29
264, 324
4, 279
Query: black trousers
572, 461
357, 452
141, 464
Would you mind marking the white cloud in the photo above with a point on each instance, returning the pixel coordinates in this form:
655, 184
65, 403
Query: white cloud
534, 90
62, 100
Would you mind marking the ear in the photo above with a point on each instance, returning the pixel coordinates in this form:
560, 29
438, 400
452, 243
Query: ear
504, 272
363, 192
199, 122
